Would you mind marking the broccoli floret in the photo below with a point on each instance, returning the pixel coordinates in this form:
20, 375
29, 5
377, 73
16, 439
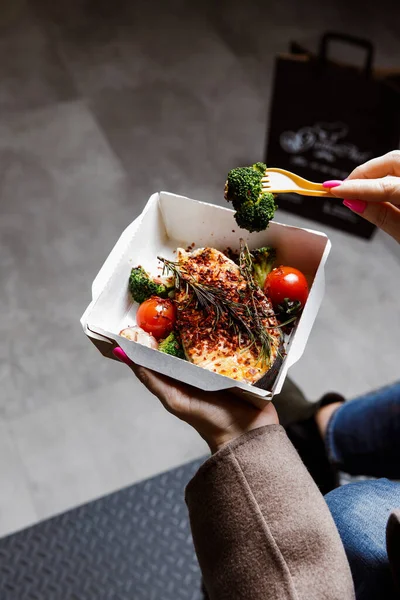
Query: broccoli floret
143, 287
254, 208
255, 216
172, 345
260, 167
243, 184
262, 262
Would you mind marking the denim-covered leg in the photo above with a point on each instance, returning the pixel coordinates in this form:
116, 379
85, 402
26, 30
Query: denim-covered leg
361, 511
363, 436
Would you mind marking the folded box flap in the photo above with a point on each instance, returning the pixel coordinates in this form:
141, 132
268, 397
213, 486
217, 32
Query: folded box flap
173, 367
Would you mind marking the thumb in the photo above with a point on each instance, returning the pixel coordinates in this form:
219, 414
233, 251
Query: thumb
172, 394
382, 214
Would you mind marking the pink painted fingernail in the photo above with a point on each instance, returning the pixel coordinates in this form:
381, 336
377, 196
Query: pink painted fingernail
121, 355
357, 206
332, 183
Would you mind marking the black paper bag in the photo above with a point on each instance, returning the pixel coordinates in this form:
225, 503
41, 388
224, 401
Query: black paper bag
326, 118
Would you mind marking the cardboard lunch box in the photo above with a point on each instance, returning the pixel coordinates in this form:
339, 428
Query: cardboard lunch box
167, 222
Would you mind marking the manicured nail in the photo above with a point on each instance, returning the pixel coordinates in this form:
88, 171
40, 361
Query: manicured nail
121, 355
357, 206
332, 183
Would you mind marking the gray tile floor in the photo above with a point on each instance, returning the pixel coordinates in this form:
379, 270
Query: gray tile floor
102, 103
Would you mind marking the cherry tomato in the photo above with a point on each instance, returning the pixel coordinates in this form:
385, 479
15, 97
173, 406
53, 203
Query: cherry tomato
286, 282
156, 316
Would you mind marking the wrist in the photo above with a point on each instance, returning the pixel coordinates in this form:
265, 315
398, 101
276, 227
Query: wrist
217, 443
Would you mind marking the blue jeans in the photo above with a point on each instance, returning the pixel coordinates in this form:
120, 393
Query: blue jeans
363, 438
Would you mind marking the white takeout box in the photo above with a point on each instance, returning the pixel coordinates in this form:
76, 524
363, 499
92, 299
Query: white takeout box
167, 222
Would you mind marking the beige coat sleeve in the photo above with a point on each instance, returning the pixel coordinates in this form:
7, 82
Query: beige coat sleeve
261, 528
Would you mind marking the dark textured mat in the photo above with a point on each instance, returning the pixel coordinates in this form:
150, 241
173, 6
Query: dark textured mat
134, 544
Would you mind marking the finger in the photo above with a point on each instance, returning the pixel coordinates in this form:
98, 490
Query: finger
388, 164
383, 215
386, 189
122, 356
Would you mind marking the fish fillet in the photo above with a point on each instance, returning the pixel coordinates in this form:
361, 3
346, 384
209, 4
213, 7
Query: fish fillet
215, 345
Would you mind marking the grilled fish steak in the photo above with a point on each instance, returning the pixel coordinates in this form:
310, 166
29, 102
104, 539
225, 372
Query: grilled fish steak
213, 343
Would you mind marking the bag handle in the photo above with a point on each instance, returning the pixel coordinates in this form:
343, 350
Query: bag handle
331, 36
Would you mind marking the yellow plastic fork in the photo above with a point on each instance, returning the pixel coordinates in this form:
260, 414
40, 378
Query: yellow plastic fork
279, 181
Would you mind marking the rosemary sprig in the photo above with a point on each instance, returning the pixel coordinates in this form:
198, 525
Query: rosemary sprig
261, 332
208, 297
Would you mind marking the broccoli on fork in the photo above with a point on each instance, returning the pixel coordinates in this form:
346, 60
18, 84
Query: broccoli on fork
143, 287
254, 207
262, 263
